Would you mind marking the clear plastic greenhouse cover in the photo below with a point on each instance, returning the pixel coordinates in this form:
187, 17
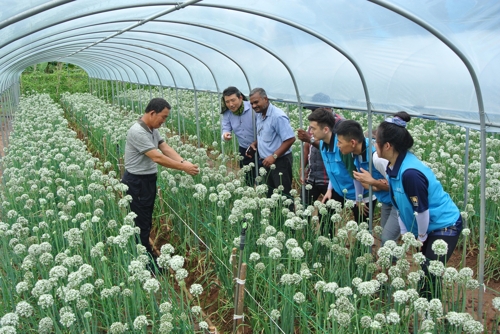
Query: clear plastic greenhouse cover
292, 48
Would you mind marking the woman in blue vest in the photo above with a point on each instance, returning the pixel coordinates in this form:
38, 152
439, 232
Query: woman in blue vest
424, 208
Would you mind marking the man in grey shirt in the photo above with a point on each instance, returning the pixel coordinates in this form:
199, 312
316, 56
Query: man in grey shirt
144, 150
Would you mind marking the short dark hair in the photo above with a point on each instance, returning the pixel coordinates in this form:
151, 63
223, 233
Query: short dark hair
232, 90
157, 105
350, 130
260, 91
323, 117
396, 135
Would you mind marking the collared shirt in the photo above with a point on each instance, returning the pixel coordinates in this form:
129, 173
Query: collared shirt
378, 170
272, 131
141, 139
317, 172
340, 178
242, 126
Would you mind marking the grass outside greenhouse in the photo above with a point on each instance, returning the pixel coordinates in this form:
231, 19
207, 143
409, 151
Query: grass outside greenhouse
70, 262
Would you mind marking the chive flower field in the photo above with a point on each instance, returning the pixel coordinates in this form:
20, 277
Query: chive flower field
70, 262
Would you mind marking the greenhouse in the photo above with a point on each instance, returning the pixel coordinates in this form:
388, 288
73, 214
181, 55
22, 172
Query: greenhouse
232, 257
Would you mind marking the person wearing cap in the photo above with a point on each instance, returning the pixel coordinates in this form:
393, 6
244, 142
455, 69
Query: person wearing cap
351, 140
424, 208
145, 149
275, 137
238, 117
315, 173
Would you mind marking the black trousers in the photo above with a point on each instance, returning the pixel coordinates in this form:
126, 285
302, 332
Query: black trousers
316, 190
250, 176
311, 196
359, 214
274, 179
142, 188
451, 238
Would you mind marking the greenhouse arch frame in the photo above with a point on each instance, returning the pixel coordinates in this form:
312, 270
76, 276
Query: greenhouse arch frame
434, 59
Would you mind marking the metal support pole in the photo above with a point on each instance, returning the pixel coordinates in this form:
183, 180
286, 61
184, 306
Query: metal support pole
213, 118
112, 93
197, 118
118, 93
107, 92
219, 96
178, 111
302, 159
131, 98
140, 90
466, 172
161, 91
4, 120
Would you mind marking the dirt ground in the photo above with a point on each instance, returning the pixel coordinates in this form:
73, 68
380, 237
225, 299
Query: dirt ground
211, 297
212, 300
491, 315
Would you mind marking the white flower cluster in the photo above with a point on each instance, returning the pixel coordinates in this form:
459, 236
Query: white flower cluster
83, 208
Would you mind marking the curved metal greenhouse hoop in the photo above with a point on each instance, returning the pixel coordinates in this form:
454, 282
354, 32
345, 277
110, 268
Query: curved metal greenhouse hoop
482, 118
290, 72
153, 32
341, 51
43, 56
166, 55
176, 5
131, 61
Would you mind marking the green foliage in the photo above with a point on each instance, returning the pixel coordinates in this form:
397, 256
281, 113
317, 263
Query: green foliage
54, 79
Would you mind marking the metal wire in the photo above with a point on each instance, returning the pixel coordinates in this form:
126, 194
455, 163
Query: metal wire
224, 264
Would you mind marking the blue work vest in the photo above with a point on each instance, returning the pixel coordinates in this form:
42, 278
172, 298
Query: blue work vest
442, 210
382, 195
336, 170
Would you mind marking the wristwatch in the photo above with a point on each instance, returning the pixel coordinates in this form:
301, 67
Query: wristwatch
275, 156
312, 140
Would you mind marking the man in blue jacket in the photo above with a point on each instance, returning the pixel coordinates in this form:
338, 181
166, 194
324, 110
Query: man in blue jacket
351, 140
341, 186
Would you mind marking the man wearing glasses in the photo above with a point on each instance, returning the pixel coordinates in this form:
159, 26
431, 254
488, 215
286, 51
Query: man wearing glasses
238, 117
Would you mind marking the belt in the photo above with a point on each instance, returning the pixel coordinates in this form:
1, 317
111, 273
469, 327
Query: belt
452, 230
279, 157
141, 176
